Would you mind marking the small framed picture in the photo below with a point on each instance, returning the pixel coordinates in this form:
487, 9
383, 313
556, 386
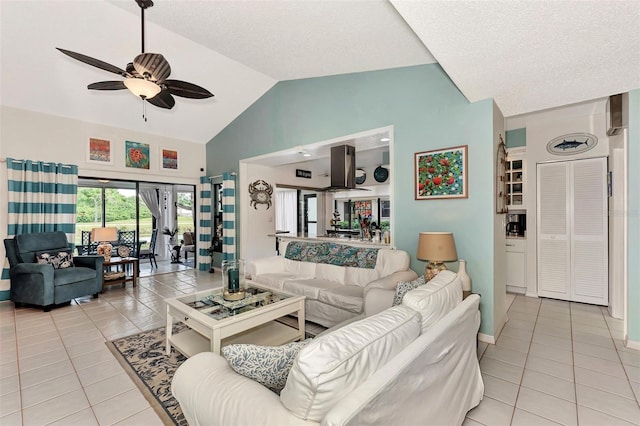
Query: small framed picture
168, 159
441, 173
136, 155
99, 151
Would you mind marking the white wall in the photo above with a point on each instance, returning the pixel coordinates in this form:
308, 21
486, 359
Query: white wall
499, 239
35, 136
542, 127
256, 225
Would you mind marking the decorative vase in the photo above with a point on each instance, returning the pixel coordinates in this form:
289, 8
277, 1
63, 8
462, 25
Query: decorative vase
233, 279
464, 277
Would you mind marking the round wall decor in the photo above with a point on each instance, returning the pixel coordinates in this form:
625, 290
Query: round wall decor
571, 144
381, 174
361, 176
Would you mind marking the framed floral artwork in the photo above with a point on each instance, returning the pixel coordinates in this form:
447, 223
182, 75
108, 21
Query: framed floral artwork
441, 174
99, 151
136, 155
169, 159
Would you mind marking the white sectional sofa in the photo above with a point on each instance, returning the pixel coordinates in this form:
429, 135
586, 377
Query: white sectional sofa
335, 278
415, 363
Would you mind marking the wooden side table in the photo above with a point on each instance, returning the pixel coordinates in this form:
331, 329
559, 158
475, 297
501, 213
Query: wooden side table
118, 263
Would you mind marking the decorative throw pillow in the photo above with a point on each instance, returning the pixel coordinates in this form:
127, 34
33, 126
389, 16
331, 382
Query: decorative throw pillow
405, 287
59, 259
267, 365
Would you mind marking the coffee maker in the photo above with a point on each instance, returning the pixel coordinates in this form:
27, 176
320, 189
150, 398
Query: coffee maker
516, 224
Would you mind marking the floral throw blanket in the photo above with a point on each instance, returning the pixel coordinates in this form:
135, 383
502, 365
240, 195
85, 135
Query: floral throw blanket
332, 254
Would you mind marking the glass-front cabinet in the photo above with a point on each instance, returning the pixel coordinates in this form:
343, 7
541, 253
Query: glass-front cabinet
515, 177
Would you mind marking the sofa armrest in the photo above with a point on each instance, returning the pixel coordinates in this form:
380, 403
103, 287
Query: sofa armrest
45, 270
93, 262
32, 283
378, 294
265, 265
211, 393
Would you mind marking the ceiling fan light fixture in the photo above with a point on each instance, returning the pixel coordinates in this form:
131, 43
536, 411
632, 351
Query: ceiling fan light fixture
142, 88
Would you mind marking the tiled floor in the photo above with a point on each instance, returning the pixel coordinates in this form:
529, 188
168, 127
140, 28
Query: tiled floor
558, 363
554, 363
55, 367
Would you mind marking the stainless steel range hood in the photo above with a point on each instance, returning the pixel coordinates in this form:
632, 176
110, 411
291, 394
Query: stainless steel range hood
343, 168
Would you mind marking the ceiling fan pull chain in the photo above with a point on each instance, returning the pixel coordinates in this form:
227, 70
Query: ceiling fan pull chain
144, 110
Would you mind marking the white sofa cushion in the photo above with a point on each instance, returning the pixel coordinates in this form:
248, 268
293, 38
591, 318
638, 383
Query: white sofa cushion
360, 276
334, 364
302, 269
309, 288
276, 279
435, 299
348, 297
330, 272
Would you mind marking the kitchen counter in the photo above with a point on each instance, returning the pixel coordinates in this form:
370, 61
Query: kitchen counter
340, 240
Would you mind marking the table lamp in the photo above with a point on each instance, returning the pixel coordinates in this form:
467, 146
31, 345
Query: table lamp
104, 235
436, 248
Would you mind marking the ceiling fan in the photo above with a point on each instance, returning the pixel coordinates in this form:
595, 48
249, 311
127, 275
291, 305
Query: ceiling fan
145, 77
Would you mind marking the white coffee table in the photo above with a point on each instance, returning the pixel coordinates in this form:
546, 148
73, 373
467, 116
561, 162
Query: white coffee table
214, 323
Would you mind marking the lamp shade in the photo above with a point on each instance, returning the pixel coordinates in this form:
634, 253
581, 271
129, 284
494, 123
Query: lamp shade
142, 88
104, 234
436, 246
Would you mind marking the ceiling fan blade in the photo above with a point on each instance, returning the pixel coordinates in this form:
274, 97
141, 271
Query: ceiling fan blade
94, 62
163, 100
187, 90
107, 85
152, 66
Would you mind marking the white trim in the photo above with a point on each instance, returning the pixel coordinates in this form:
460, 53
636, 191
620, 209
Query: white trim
631, 344
486, 338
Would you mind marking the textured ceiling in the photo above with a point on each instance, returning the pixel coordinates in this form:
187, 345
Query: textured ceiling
528, 56
532, 55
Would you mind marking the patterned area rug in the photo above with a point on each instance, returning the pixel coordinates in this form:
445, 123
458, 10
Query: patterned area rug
143, 358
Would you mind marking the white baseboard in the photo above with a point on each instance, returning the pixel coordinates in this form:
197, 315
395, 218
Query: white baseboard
517, 290
486, 338
631, 344
532, 295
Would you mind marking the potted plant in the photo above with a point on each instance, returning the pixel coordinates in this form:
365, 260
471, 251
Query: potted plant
171, 234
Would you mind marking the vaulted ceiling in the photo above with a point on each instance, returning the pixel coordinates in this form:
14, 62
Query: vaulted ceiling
528, 56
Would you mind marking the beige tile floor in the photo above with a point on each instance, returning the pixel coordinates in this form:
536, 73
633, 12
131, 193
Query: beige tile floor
55, 367
555, 362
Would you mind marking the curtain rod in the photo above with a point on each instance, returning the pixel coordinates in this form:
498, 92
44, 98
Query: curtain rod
219, 176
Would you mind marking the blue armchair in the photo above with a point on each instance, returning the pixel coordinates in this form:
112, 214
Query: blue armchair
40, 277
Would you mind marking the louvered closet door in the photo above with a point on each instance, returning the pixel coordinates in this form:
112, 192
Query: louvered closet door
589, 232
573, 231
553, 231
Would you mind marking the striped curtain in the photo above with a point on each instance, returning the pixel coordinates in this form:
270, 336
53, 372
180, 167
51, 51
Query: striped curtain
41, 197
204, 228
228, 216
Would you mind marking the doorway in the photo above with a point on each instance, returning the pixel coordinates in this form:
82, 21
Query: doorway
310, 215
137, 208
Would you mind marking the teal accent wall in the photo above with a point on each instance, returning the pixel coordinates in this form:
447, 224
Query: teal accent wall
515, 138
427, 112
633, 219
5, 295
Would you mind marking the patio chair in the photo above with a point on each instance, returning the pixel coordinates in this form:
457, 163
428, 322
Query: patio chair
150, 253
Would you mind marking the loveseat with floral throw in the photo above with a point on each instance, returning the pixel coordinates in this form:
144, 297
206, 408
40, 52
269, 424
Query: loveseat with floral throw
335, 278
